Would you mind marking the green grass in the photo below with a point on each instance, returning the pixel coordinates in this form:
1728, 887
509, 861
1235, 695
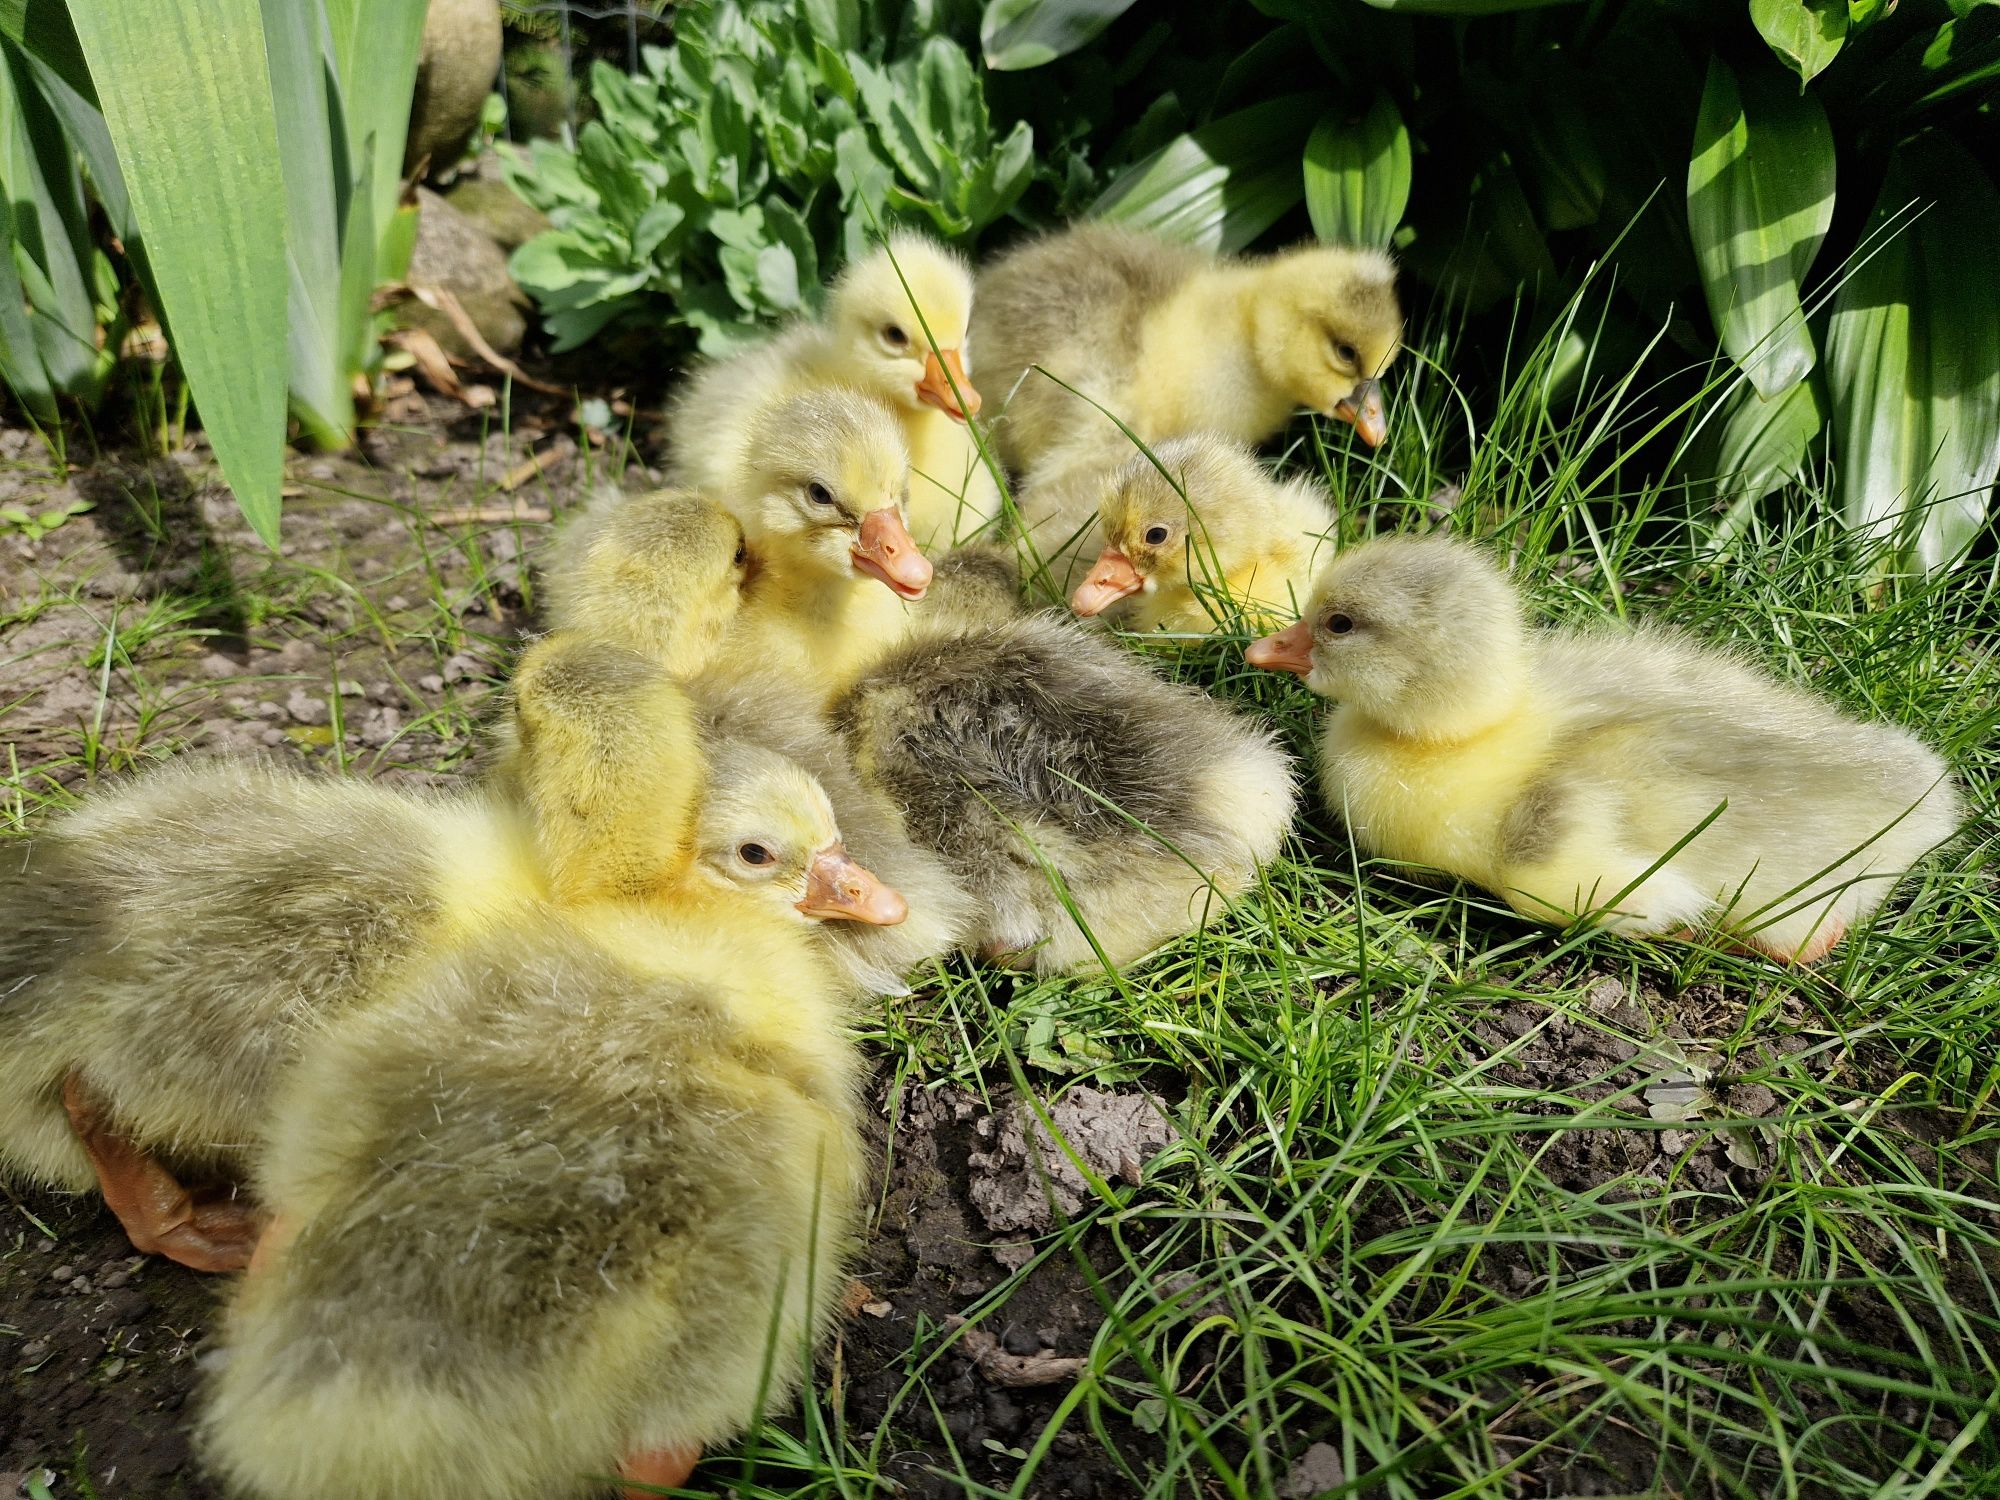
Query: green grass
1377, 1227
1381, 1227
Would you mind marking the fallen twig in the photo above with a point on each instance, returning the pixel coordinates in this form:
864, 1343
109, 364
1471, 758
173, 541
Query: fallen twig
1016, 1370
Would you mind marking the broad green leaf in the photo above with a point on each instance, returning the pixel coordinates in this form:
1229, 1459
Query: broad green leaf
998, 182
1358, 175
1806, 34
1967, 7
295, 49
43, 30
20, 361
1463, 7
1222, 185
375, 46
1960, 57
1017, 34
51, 236
1913, 358
1764, 445
186, 93
1760, 198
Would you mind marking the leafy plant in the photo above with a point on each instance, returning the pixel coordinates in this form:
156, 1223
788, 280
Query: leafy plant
246, 159
719, 185
1721, 154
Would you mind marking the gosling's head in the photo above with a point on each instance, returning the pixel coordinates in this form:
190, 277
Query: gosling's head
1326, 324
662, 573
874, 316
831, 478
767, 831
1423, 635
1163, 546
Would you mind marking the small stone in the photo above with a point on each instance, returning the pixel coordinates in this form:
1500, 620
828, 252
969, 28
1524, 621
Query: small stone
216, 666
349, 688
273, 737
35, 1350
116, 1279
305, 709
1673, 1142
395, 602
295, 656
268, 710
384, 692
62, 1272
383, 725
322, 471
878, 1309
1605, 996
460, 666
430, 682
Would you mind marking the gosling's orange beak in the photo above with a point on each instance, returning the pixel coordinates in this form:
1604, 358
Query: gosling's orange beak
838, 889
936, 390
1364, 409
1111, 578
1290, 650
887, 551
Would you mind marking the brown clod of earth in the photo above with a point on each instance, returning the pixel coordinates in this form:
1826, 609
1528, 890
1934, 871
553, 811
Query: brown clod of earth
1014, 1370
1015, 1188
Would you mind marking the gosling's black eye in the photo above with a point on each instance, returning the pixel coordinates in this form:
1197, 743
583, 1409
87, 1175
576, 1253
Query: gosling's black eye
1155, 535
1346, 355
1338, 624
742, 553
894, 337
819, 494
755, 854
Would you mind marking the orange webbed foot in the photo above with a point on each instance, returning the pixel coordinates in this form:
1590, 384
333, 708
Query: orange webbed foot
208, 1229
657, 1469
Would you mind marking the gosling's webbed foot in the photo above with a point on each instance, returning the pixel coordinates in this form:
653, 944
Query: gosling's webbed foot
207, 1229
657, 1469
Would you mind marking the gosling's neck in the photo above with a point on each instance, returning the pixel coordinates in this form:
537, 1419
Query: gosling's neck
1199, 369
1470, 709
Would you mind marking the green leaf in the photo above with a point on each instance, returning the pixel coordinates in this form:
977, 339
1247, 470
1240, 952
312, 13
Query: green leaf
375, 46
186, 92
1806, 34
1760, 198
1913, 358
1463, 7
316, 194
1016, 34
1764, 445
1358, 175
1222, 185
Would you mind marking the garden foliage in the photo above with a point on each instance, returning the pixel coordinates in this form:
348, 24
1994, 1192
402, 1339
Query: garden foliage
245, 158
718, 187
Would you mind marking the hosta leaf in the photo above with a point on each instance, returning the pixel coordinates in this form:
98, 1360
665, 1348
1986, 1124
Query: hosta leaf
1806, 34
1764, 445
1357, 175
1222, 185
186, 93
1462, 7
1760, 198
1913, 358
1018, 34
